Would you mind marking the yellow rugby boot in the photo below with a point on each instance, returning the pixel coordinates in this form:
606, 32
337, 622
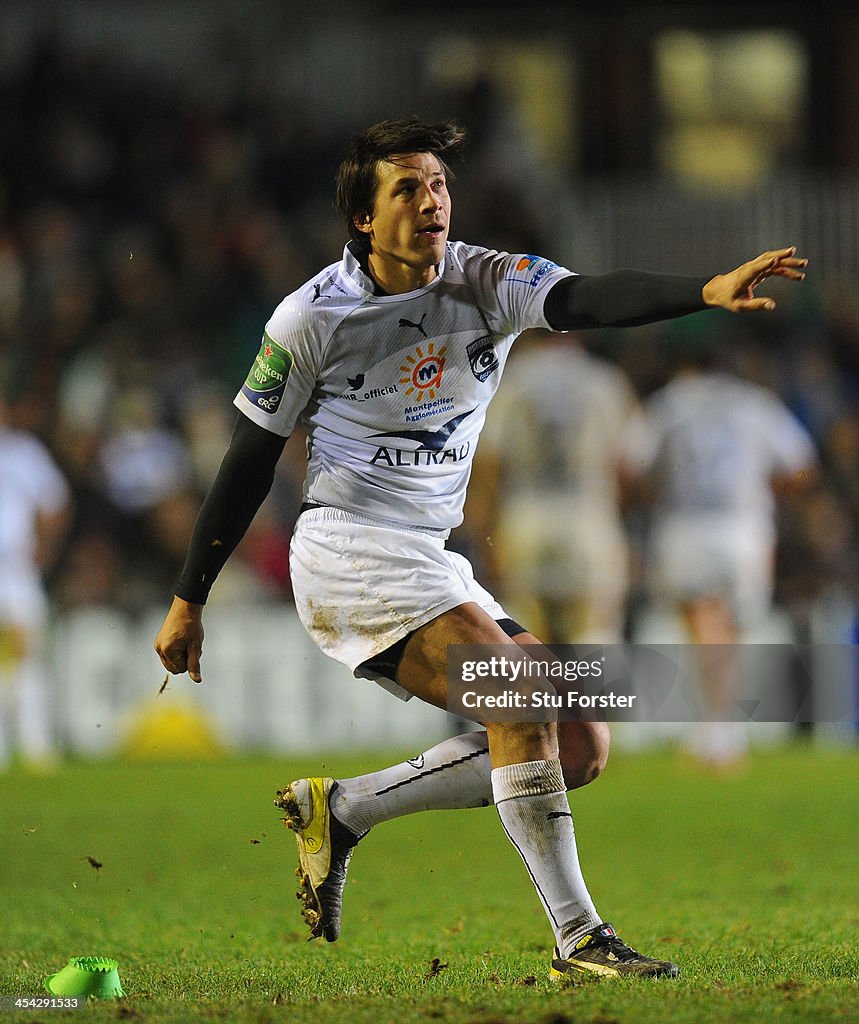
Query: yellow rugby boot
324, 848
602, 952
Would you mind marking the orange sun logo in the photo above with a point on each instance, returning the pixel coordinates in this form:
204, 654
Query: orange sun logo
423, 371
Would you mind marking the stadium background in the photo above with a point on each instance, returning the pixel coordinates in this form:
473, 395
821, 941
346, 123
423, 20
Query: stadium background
165, 177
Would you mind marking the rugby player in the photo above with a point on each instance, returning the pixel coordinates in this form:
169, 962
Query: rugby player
388, 358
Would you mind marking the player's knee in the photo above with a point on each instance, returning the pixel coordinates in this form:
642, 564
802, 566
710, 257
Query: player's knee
511, 743
584, 751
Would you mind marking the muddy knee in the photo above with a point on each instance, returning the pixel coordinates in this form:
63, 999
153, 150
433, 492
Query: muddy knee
518, 742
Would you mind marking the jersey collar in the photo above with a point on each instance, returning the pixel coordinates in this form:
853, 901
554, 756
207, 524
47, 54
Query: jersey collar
365, 283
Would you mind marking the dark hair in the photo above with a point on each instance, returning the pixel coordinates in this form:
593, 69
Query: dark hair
357, 179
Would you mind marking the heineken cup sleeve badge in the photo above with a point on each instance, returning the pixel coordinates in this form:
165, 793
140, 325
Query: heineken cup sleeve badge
266, 380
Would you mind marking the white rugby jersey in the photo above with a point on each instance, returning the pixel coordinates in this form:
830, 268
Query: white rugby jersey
30, 483
570, 407
715, 442
393, 389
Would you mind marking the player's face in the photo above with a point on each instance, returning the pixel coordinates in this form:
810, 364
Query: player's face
410, 222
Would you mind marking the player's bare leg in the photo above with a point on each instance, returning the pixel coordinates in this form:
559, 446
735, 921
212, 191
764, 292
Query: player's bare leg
330, 817
527, 782
456, 773
530, 795
719, 742
527, 785
583, 747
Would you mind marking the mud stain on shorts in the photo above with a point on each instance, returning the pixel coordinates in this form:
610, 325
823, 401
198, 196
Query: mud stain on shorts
323, 624
357, 619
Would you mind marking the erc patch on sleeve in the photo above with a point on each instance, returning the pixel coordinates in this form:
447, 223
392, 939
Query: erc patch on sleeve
530, 270
267, 378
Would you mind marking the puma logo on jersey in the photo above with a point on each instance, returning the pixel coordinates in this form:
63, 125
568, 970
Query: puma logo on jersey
429, 440
418, 762
318, 293
419, 326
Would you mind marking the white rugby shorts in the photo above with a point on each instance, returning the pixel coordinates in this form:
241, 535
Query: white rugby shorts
361, 584
22, 599
702, 555
562, 546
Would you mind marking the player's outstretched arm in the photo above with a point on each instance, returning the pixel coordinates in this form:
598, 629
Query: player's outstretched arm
627, 298
243, 481
736, 291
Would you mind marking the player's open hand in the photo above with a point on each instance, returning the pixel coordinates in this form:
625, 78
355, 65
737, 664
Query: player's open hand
180, 640
736, 291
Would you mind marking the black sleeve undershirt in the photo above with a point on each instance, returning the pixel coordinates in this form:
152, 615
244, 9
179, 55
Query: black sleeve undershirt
240, 487
622, 298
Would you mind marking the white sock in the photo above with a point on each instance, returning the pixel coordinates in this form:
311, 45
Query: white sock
34, 713
454, 774
720, 743
534, 810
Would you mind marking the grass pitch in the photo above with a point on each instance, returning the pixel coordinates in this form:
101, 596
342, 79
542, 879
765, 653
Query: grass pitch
749, 883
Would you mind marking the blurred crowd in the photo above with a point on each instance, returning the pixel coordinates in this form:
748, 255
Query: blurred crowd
147, 233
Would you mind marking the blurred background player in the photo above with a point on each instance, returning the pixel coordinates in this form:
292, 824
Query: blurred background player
713, 451
544, 490
34, 505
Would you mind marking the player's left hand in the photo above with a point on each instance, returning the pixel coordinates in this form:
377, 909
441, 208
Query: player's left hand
736, 291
